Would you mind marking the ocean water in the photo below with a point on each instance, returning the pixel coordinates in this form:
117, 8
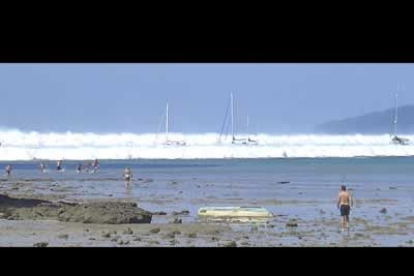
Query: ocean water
285, 186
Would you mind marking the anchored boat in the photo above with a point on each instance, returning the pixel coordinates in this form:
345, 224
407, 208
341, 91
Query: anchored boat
397, 140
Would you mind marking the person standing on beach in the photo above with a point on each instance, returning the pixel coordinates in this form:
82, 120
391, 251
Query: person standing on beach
59, 165
127, 176
95, 165
344, 203
79, 168
42, 167
8, 170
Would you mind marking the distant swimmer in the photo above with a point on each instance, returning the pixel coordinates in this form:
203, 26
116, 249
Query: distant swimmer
127, 176
85, 166
344, 203
88, 166
79, 168
8, 170
59, 165
42, 167
95, 165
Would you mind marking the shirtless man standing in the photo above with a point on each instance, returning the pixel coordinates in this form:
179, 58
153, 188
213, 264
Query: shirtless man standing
344, 203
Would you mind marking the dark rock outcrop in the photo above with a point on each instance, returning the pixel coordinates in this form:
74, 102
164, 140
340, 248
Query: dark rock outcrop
96, 212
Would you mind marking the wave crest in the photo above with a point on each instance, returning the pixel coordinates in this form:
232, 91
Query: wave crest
17, 145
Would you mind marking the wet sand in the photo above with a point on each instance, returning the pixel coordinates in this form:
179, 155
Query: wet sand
317, 221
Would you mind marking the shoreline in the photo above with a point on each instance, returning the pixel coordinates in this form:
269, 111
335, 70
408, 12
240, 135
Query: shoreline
321, 231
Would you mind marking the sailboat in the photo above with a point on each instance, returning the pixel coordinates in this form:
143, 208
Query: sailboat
396, 140
169, 142
249, 140
234, 140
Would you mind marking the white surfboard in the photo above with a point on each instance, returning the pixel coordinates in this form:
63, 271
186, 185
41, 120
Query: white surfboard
234, 212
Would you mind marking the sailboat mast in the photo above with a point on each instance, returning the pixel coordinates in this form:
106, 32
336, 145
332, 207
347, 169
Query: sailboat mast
247, 125
166, 122
396, 114
232, 115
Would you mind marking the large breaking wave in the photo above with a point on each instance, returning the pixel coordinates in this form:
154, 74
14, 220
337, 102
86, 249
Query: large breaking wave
17, 145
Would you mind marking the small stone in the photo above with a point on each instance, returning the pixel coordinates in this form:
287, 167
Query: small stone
292, 223
115, 239
106, 235
245, 243
63, 236
137, 239
176, 220
230, 244
383, 211
183, 212
128, 231
92, 239
170, 235
155, 230
41, 244
192, 235
159, 213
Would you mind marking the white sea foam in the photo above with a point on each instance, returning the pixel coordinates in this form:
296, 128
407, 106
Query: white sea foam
17, 145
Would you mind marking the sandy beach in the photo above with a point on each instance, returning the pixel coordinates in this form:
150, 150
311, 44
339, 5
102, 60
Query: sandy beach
31, 217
